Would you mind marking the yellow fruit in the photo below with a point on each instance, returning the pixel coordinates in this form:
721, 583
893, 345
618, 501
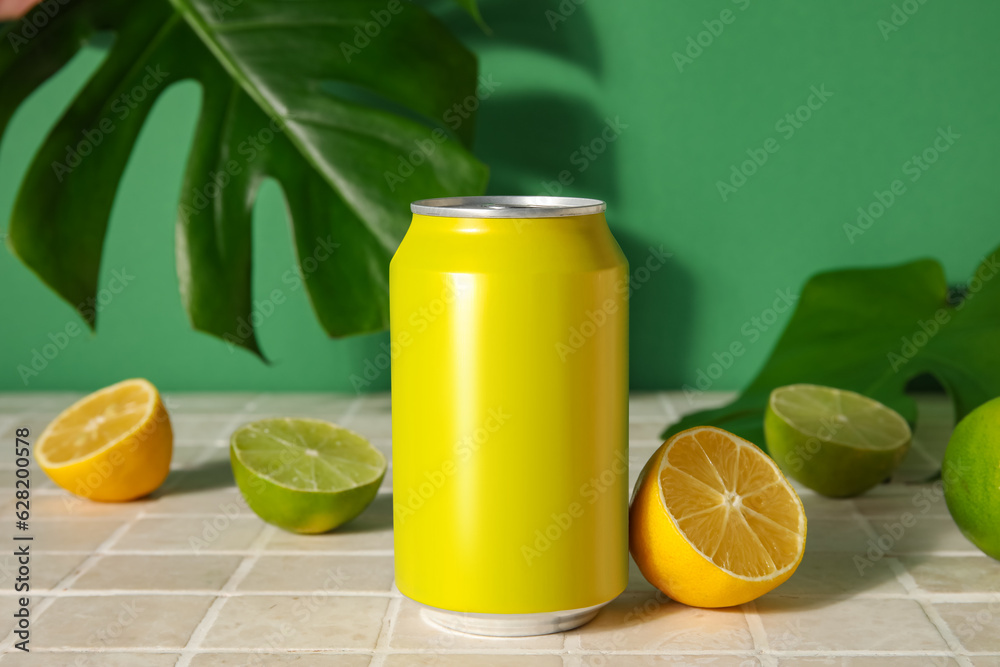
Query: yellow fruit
713, 522
112, 445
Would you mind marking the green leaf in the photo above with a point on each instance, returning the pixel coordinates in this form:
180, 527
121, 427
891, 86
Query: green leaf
330, 100
872, 331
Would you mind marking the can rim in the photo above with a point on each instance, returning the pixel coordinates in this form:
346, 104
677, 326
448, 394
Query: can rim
507, 207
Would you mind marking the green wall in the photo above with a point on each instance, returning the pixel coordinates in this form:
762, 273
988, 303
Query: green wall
564, 70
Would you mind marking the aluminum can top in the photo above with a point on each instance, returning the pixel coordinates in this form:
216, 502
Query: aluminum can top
507, 207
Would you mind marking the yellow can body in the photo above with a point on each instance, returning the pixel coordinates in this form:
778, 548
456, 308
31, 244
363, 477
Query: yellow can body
510, 410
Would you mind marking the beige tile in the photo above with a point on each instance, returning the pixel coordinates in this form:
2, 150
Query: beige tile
47, 570
120, 621
923, 499
91, 659
370, 426
197, 403
284, 622
413, 632
203, 481
974, 624
471, 660
63, 505
801, 624
193, 456
256, 659
9, 605
195, 534
820, 507
72, 535
612, 660
646, 404
329, 407
954, 574
986, 661
375, 404
928, 534
650, 621
371, 530
840, 574
871, 661
320, 573
838, 535
647, 429
190, 573
18, 403
189, 429
202, 500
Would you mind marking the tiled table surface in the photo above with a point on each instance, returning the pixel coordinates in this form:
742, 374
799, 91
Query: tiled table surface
191, 576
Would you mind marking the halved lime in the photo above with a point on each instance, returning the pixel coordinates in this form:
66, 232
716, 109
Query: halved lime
837, 442
305, 475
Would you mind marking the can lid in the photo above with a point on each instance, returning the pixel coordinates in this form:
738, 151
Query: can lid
507, 207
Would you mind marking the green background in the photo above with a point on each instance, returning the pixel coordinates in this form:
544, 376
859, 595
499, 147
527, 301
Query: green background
685, 128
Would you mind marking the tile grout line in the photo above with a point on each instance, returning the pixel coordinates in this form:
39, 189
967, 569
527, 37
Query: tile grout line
907, 581
389, 621
758, 634
201, 631
66, 582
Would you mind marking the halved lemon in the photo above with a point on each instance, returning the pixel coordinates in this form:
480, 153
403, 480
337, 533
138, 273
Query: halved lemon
112, 445
713, 522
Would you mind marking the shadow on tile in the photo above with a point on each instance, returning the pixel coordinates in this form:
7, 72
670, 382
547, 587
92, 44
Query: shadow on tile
376, 517
215, 474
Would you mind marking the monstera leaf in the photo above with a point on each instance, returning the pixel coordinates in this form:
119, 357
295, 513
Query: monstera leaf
874, 330
350, 106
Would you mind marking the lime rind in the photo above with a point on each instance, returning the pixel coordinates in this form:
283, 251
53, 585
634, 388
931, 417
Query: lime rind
840, 416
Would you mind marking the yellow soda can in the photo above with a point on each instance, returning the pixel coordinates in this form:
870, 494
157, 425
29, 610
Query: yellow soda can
509, 341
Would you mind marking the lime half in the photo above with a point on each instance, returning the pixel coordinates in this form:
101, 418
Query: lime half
305, 475
836, 442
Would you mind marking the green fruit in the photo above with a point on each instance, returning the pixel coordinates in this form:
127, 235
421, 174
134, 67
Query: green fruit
305, 475
836, 442
971, 476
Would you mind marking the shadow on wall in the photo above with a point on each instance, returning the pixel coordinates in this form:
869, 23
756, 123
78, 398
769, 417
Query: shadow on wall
539, 142
658, 346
